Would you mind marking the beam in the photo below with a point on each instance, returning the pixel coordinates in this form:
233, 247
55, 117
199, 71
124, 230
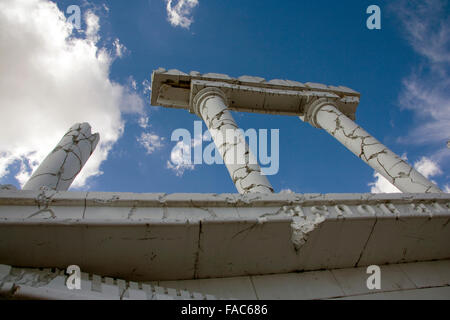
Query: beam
176, 89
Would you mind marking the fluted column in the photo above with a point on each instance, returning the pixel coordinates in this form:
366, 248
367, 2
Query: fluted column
324, 114
62, 165
210, 104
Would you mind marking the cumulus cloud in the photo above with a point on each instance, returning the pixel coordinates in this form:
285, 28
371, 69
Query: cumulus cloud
426, 166
51, 79
180, 158
150, 141
180, 13
382, 185
143, 122
120, 48
92, 26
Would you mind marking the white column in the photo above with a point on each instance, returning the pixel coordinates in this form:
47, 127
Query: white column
210, 105
324, 114
61, 166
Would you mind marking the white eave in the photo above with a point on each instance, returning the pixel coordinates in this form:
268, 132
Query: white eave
143, 237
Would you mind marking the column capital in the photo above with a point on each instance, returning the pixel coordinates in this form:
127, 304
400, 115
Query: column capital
313, 107
204, 94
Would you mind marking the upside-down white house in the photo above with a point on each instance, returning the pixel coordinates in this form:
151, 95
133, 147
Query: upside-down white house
254, 244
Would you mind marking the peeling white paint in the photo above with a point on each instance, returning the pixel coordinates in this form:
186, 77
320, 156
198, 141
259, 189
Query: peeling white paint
323, 113
30, 283
142, 236
301, 226
62, 165
211, 106
7, 187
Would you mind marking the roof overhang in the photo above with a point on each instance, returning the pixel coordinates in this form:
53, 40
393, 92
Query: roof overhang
146, 237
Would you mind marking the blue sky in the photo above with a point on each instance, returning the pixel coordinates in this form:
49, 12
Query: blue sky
401, 71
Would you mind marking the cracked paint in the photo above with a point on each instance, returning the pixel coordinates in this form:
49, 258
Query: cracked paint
370, 150
247, 176
240, 222
43, 200
7, 187
367, 242
174, 88
30, 277
62, 165
110, 200
199, 249
20, 283
302, 224
209, 210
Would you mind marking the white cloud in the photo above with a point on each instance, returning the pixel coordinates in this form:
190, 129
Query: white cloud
143, 122
427, 167
5, 161
147, 86
150, 141
286, 191
447, 188
120, 48
180, 158
382, 185
50, 80
180, 13
426, 25
132, 82
23, 175
92, 26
